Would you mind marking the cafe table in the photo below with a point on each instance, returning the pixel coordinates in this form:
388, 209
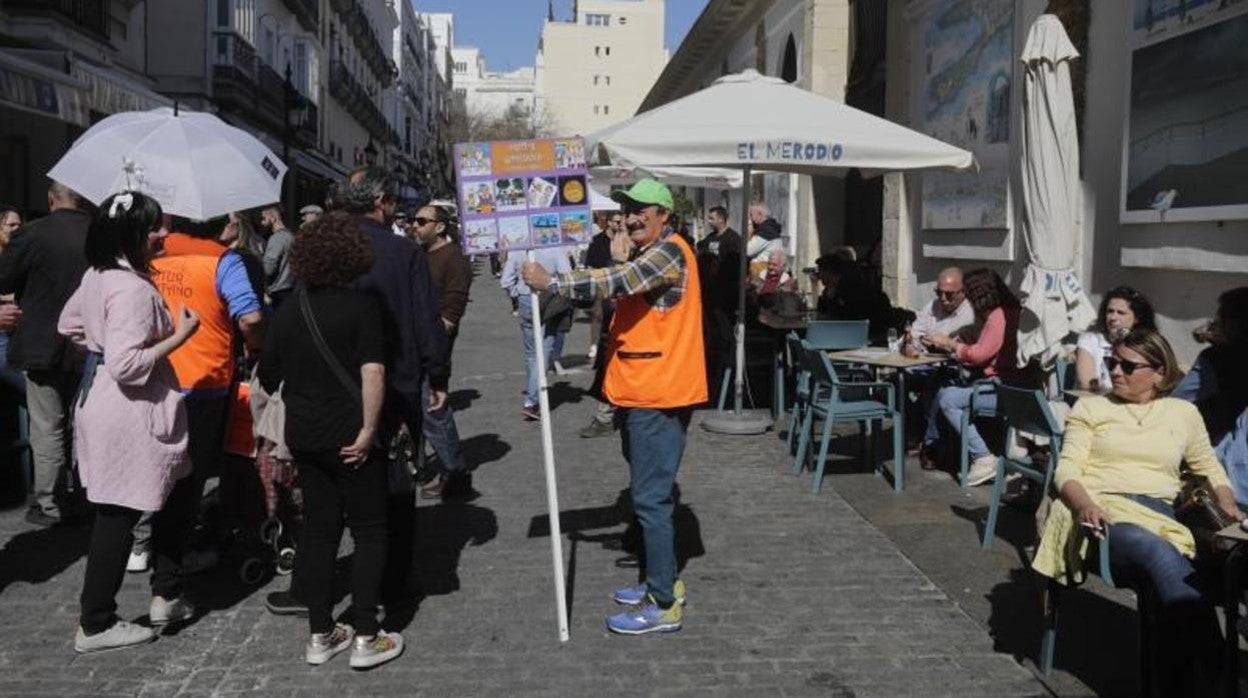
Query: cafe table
900, 363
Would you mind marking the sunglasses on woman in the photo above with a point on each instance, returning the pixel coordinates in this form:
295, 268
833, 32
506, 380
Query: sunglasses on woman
1128, 367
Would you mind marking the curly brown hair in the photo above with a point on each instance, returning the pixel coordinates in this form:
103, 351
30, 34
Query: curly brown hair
331, 251
986, 291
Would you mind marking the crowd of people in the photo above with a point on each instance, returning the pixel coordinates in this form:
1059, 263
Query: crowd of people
127, 333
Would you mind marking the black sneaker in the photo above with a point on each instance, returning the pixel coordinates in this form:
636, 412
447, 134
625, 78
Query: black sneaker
284, 603
39, 517
596, 429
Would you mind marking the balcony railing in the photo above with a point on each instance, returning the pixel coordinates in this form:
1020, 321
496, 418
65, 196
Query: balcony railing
307, 12
91, 15
244, 84
351, 94
369, 43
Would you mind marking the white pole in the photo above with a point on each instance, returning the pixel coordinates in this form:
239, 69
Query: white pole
548, 457
743, 280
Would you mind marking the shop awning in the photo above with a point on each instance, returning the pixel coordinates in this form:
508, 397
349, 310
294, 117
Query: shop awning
110, 92
31, 87
315, 165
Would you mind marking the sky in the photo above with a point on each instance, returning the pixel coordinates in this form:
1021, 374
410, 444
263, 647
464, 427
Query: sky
507, 31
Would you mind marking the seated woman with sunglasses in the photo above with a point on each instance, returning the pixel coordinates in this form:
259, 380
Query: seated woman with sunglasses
1122, 310
1117, 478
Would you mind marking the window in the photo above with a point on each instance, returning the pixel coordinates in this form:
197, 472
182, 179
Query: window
621, 20
269, 47
597, 50
461, 67
608, 79
606, 50
595, 79
595, 20
606, 109
595, 109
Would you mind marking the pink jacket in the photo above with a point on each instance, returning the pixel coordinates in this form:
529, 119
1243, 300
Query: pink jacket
130, 434
997, 347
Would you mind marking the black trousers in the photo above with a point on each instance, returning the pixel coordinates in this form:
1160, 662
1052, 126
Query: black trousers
334, 494
111, 538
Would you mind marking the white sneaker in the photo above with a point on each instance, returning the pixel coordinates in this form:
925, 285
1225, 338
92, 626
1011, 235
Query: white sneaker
139, 561
370, 651
163, 610
322, 647
122, 634
593, 352
983, 470
559, 369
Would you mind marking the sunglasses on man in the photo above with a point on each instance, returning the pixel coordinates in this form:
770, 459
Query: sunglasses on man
1128, 367
420, 221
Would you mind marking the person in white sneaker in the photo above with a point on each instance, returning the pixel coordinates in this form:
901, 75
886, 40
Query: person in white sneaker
991, 356
130, 424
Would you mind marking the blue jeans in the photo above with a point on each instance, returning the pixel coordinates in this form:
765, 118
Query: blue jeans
654, 443
1188, 638
530, 358
952, 401
440, 431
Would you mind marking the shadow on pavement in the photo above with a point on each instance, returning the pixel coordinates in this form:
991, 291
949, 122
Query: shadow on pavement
37, 556
483, 448
462, 399
564, 392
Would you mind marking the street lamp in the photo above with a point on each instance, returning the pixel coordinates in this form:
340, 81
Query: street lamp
370, 152
294, 112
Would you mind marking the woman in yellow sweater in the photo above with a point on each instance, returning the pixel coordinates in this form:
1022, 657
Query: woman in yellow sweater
1119, 475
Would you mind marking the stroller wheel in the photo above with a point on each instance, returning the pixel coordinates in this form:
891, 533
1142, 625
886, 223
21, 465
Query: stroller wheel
271, 531
252, 571
286, 561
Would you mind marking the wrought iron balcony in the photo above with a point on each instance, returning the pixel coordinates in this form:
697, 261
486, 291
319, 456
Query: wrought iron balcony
234, 72
307, 12
90, 15
355, 99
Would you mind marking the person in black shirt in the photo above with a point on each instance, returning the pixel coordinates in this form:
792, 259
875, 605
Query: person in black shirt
333, 391
719, 268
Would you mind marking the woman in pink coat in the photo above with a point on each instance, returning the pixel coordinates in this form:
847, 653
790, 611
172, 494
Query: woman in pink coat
130, 425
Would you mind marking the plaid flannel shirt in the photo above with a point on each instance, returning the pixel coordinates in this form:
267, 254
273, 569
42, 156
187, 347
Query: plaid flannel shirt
658, 271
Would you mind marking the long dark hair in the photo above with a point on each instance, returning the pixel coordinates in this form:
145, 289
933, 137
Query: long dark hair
1140, 308
120, 231
986, 291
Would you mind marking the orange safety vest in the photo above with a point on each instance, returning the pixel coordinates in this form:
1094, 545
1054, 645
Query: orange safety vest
657, 358
186, 275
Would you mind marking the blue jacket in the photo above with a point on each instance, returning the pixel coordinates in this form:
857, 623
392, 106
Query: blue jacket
415, 337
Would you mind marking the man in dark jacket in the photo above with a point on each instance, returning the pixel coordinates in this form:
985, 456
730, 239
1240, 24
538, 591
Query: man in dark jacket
43, 267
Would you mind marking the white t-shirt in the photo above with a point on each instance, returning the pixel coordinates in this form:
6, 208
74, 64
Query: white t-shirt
1098, 347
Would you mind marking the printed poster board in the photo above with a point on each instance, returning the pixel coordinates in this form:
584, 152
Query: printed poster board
520, 195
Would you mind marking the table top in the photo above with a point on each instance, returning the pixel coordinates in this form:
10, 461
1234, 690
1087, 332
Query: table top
884, 358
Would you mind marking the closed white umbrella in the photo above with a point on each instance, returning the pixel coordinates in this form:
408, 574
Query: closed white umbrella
1050, 185
746, 122
193, 163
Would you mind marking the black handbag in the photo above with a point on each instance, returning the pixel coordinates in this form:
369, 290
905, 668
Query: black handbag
1197, 508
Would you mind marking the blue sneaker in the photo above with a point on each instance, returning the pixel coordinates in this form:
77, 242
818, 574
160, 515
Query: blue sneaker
634, 595
646, 618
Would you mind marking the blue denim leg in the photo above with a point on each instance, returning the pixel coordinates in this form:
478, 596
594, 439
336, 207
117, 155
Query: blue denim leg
932, 433
532, 384
1140, 557
953, 401
654, 445
441, 433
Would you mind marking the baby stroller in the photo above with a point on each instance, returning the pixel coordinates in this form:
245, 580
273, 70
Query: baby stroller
255, 430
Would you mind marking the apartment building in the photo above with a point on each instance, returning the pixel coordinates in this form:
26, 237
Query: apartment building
491, 93
595, 68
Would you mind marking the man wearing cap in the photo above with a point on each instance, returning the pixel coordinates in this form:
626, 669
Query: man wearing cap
655, 374
309, 213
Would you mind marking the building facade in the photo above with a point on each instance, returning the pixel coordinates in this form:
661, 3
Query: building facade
63, 67
491, 93
442, 32
594, 69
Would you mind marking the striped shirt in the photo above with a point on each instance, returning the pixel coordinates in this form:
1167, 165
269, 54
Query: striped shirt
657, 271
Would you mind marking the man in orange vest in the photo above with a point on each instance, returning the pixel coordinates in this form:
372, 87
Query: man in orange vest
200, 273
655, 375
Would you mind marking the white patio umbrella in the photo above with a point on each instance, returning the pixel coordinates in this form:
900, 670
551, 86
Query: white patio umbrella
1050, 185
748, 122
193, 163
599, 202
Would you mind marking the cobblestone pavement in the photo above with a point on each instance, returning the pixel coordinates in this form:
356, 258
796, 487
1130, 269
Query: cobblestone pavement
789, 592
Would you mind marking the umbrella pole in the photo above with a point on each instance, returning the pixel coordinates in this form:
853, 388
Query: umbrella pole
738, 329
740, 422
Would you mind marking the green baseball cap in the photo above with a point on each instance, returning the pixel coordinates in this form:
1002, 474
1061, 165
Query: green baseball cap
647, 191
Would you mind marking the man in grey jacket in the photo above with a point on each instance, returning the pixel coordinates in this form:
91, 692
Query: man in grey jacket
278, 279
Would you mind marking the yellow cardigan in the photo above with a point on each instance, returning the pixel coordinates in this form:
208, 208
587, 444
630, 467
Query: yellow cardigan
1115, 449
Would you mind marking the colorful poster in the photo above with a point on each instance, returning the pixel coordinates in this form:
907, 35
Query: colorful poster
517, 195
966, 50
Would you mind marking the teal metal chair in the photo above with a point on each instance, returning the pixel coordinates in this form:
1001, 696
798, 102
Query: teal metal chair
833, 400
969, 415
801, 388
1052, 593
1026, 411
